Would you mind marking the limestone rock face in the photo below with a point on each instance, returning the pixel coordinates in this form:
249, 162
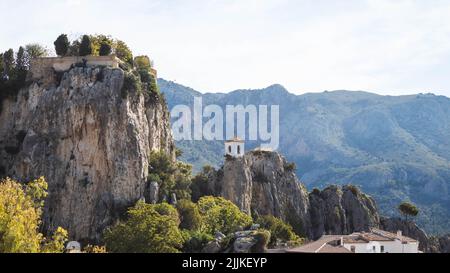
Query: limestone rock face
263, 183
91, 140
345, 210
259, 183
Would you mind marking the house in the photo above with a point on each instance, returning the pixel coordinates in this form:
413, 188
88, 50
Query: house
380, 241
375, 241
234, 147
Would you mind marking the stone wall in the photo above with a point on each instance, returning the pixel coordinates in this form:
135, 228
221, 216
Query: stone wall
43, 67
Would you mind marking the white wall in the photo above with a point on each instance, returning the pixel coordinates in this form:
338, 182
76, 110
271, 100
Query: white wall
237, 149
389, 247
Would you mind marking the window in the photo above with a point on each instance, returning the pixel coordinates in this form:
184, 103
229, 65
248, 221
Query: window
353, 249
374, 249
382, 249
229, 149
239, 150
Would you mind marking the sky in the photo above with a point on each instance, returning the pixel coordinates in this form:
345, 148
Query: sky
390, 47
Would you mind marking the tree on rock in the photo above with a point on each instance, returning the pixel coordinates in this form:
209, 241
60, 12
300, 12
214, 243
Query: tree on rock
408, 209
85, 46
105, 49
62, 45
123, 52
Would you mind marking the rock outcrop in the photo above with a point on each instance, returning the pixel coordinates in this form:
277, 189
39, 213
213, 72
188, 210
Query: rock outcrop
427, 243
337, 210
91, 139
263, 183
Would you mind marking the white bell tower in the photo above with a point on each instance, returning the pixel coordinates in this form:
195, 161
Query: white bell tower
234, 147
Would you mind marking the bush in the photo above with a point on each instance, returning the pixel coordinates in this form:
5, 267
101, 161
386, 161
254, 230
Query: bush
263, 238
62, 45
290, 167
279, 230
195, 241
130, 83
354, 189
221, 215
148, 229
85, 46
190, 217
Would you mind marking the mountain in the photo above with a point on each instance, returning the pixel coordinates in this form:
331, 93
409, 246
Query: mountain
395, 148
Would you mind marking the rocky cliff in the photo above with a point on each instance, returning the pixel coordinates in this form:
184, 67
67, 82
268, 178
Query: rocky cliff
341, 210
264, 183
91, 138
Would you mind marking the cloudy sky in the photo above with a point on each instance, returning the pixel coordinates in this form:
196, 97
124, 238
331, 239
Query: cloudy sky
384, 46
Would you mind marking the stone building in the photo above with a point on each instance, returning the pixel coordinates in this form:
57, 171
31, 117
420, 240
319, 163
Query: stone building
234, 147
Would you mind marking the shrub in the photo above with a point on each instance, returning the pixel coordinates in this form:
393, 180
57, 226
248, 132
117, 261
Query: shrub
148, 229
263, 238
290, 167
143, 62
195, 241
354, 189
62, 45
130, 83
221, 215
279, 230
190, 217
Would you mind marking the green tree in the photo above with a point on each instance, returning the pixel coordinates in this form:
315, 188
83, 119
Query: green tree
148, 229
101, 44
200, 184
8, 62
221, 215
143, 62
62, 45
279, 230
85, 46
408, 209
190, 217
105, 49
36, 51
172, 176
20, 216
74, 48
123, 52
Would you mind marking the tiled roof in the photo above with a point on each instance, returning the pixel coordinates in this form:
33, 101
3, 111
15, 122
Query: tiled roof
315, 246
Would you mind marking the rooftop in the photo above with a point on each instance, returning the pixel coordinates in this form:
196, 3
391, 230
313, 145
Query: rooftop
235, 139
331, 243
326, 244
